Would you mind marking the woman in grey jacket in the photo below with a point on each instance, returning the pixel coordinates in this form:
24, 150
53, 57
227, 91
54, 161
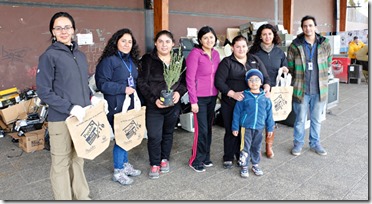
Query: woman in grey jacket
62, 83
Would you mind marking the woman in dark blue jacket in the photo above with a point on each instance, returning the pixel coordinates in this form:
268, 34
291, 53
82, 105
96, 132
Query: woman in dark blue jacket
116, 75
265, 47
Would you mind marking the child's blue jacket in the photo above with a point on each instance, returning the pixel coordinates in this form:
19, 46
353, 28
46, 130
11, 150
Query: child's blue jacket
253, 112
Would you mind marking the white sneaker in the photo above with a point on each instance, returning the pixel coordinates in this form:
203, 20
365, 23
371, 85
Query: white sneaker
130, 171
121, 177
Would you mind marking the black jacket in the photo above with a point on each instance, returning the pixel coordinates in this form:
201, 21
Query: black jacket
62, 80
273, 61
151, 78
230, 75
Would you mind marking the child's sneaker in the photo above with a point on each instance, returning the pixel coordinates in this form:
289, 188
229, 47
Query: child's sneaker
154, 172
130, 171
121, 177
227, 164
164, 166
244, 172
257, 171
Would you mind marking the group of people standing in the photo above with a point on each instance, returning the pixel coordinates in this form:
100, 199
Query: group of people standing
244, 80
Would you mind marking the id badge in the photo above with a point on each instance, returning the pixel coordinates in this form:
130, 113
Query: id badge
130, 81
310, 66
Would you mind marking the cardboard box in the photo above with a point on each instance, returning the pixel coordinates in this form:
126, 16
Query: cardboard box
231, 33
3, 126
18, 111
32, 141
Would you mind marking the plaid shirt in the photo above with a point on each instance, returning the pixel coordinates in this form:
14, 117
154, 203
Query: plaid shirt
297, 65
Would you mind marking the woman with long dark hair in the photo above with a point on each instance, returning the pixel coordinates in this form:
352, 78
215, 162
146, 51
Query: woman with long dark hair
265, 46
116, 76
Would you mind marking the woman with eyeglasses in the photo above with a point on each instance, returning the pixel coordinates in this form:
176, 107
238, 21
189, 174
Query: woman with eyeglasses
230, 81
62, 83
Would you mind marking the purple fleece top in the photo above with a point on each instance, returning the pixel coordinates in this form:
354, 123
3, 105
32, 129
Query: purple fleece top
200, 73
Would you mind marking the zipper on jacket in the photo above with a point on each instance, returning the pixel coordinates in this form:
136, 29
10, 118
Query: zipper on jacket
256, 112
211, 77
81, 77
211, 81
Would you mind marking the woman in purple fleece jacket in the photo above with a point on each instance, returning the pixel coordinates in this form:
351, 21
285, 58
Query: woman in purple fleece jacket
202, 63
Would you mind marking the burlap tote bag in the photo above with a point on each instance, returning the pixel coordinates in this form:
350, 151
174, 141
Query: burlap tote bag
281, 96
130, 126
92, 136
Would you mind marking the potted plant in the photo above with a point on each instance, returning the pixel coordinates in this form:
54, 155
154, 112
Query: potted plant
172, 74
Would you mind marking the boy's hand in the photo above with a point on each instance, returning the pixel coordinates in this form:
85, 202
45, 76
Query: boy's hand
235, 133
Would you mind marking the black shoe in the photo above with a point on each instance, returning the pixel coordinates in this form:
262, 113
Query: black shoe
198, 168
208, 164
227, 164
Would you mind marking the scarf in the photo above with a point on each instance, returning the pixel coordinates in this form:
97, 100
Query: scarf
266, 48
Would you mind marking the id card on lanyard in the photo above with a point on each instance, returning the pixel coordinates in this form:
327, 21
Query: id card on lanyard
130, 78
310, 65
311, 50
130, 81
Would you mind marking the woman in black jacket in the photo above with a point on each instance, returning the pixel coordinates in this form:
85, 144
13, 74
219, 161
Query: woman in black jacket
160, 119
230, 81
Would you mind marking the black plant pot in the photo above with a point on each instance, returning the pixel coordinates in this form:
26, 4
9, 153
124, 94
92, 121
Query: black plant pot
166, 97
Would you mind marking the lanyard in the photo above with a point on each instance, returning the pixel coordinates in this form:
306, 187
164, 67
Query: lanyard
310, 50
130, 63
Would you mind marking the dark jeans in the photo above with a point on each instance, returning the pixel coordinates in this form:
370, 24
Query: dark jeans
160, 125
231, 144
205, 118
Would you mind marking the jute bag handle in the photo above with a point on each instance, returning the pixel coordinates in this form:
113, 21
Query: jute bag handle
283, 81
126, 104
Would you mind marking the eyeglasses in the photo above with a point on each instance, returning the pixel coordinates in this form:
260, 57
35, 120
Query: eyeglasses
254, 80
59, 28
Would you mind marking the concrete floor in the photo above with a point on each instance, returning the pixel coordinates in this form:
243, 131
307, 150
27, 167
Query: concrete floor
341, 175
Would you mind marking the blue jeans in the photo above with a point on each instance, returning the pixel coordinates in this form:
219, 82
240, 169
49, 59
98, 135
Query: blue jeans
120, 157
312, 103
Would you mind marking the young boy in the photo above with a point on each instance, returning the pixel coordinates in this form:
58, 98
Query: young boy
252, 113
